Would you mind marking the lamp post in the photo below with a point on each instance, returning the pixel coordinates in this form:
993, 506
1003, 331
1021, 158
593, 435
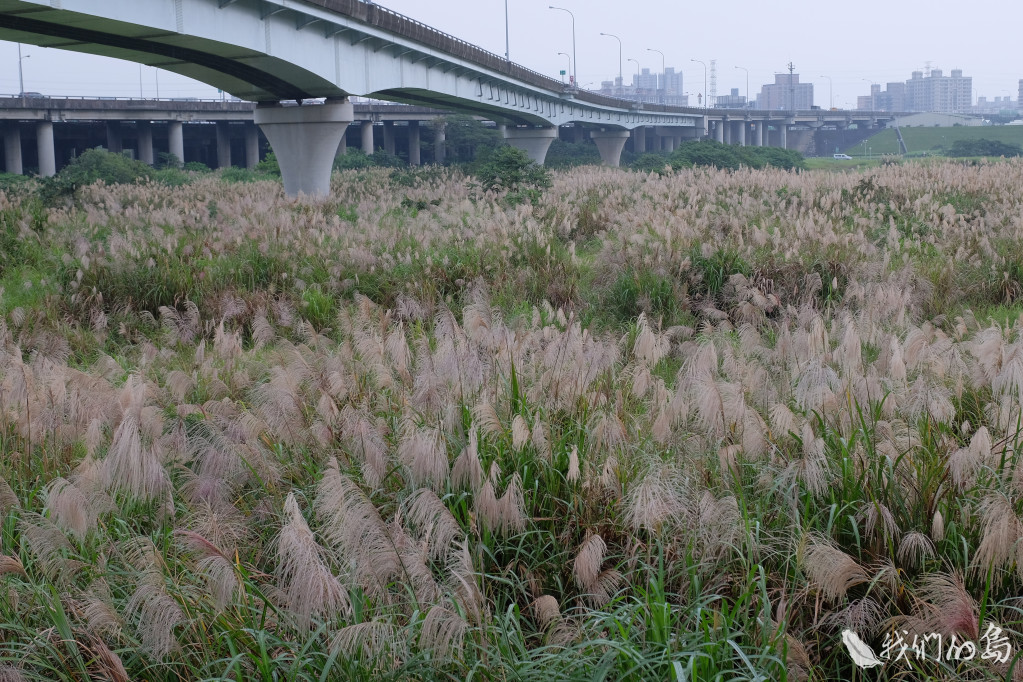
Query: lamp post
21, 75
507, 42
831, 93
567, 56
621, 78
705, 98
747, 83
575, 62
663, 70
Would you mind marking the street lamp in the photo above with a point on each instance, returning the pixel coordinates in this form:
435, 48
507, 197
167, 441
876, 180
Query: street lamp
664, 78
575, 62
831, 93
507, 42
747, 83
21, 75
621, 78
566, 55
706, 100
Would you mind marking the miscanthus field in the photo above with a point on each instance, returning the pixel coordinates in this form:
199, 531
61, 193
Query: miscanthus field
677, 426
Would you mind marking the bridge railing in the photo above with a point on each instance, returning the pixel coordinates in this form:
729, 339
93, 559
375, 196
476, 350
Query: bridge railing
406, 27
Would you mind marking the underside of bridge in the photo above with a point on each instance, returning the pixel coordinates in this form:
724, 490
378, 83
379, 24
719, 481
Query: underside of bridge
247, 74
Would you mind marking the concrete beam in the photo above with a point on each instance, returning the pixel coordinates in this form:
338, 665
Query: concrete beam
44, 147
114, 143
534, 141
251, 145
610, 144
367, 137
639, 140
145, 131
223, 145
440, 143
389, 137
12, 149
305, 139
413, 143
176, 140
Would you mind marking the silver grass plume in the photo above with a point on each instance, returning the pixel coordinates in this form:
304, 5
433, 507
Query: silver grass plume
302, 572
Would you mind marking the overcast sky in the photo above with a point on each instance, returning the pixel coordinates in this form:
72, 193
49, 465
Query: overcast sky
852, 43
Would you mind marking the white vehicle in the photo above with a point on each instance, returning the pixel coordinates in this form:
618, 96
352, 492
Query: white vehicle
844, 157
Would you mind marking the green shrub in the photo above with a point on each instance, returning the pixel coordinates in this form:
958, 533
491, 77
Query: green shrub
353, 159
570, 154
269, 165
984, 147
507, 169
95, 165
197, 167
385, 159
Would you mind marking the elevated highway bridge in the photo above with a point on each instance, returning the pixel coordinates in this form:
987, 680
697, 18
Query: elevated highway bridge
287, 54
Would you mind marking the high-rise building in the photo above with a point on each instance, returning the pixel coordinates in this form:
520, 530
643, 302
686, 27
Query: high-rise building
1019, 98
935, 92
786, 93
663, 88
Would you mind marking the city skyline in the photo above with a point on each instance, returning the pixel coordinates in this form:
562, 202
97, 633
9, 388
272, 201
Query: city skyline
763, 46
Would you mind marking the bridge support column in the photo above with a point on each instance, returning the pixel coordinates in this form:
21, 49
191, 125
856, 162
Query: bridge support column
668, 143
413, 143
251, 145
719, 131
534, 141
12, 149
367, 137
758, 134
389, 137
610, 144
440, 143
114, 144
305, 138
740, 127
223, 145
145, 130
44, 147
783, 135
727, 127
639, 140
176, 140
342, 146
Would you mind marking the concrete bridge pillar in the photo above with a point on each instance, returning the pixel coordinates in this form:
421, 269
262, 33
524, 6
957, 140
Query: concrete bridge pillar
114, 144
740, 128
534, 141
639, 140
727, 131
342, 147
668, 143
305, 138
610, 144
12, 148
223, 145
44, 148
176, 140
440, 143
413, 143
719, 131
367, 137
389, 137
145, 130
251, 145
783, 137
758, 134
